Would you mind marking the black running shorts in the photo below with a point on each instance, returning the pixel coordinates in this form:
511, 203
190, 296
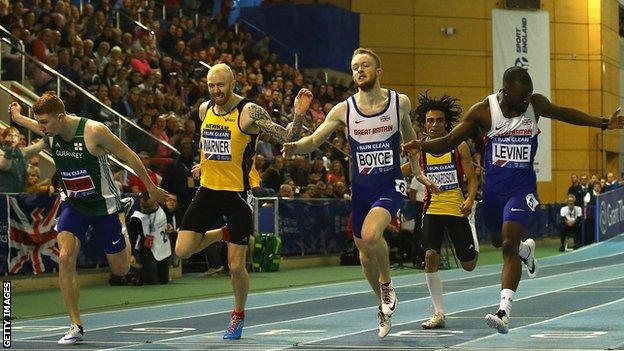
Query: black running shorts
211, 206
458, 229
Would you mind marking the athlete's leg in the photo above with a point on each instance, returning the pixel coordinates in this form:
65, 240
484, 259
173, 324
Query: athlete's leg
201, 214
69, 247
239, 275
433, 234
374, 249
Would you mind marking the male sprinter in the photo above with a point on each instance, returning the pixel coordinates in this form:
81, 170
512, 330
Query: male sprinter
375, 119
509, 121
445, 207
229, 130
79, 149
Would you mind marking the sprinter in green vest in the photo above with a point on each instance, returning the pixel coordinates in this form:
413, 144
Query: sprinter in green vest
79, 148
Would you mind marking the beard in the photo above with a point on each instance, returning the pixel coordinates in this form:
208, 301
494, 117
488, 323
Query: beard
366, 85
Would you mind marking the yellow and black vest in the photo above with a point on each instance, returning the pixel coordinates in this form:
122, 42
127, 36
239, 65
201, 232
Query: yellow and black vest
226, 151
446, 172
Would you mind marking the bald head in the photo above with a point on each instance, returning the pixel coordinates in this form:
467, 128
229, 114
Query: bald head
220, 84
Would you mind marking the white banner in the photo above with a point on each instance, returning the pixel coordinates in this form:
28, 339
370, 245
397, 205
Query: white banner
522, 38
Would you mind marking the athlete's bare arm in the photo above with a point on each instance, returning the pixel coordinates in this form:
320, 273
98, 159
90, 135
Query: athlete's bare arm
15, 111
253, 114
471, 178
477, 116
335, 117
407, 130
103, 137
34, 149
543, 107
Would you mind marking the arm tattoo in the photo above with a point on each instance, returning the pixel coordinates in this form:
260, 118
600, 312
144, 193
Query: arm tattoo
277, 132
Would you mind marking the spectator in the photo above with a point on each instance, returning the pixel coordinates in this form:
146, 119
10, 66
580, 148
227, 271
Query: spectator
286, 191
34, 186
336, 173
178, 178
152, 248
274, 176
13, 161
571, 216
119, 102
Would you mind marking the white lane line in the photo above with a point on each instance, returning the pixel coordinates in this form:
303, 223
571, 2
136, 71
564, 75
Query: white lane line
460, 311
544, 321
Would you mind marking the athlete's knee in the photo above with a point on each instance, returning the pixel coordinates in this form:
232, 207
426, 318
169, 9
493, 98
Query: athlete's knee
496, 242
66, 259
237, 268
370, 238
182, 251
510, 247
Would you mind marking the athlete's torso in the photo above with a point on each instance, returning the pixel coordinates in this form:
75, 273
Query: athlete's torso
87, 179
510, 147
375, 142
226, 151
446, 172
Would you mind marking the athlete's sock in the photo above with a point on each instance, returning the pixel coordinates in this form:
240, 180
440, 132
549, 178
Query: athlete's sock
435, 290
523, 250
506, 300
240, 314
226, 233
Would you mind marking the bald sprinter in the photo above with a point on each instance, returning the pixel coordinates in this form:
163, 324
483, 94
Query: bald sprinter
230, 125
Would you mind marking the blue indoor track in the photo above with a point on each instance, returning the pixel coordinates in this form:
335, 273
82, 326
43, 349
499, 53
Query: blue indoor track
576, 302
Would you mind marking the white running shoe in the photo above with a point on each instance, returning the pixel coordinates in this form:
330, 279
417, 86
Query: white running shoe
73, 335
531, 261
384, 324
436, 321
498, 321
389, 301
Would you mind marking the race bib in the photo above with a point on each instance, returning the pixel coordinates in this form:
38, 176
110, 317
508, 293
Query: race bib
368, 161
444, 176
512, 154
400, 186
217, 145
78, 183
532, 202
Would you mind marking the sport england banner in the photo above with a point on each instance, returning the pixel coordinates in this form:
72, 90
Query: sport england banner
522, 38
609, 214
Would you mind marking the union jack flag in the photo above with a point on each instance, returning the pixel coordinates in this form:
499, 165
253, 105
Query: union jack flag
32, 238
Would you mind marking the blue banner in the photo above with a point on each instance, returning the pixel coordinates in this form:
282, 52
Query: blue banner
609, 214
313, 226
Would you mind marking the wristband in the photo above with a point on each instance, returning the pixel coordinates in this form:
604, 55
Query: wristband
604, 124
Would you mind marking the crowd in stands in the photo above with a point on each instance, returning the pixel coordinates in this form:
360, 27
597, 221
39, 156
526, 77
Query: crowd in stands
157, 82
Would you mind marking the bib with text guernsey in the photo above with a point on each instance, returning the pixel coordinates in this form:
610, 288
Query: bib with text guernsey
217, 144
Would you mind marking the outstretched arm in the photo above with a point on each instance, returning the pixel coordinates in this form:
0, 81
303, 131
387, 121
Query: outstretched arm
471, 178
407, 130
543, 107
305, 145
106, 139
34, 149
15, 111
460, 132
263, 120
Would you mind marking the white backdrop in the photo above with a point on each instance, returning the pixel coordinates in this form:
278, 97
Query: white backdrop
522, 38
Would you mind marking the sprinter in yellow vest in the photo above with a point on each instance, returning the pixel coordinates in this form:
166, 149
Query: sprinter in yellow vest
445, 207
229, 130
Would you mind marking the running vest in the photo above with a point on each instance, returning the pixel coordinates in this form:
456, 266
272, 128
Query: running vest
375, 142
87, 180
447, 173
226, 151
510, 147
154, 225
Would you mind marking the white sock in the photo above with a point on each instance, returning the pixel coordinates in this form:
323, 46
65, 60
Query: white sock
435, 290
523, 250
506, 300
